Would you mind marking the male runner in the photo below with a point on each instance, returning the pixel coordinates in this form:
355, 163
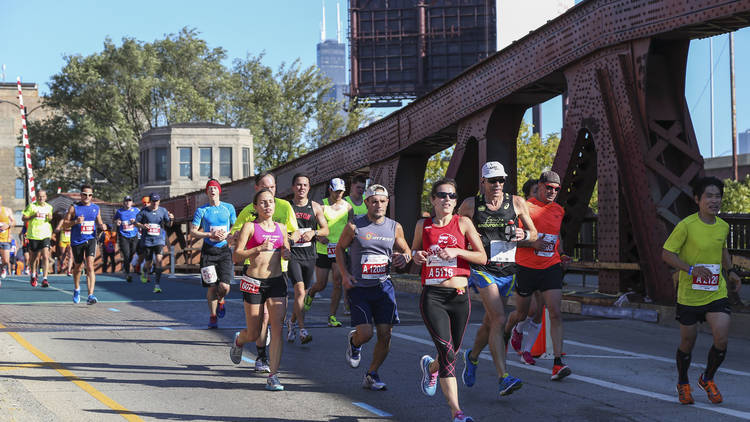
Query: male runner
6, 223
211, 222
140, 249
697, 248
108, 240
64, 250
81, 218
540, 264
38, 215
283, 214
372, 239
127, 233
355, 199
337, 213
312, 223
153, 221
495, 215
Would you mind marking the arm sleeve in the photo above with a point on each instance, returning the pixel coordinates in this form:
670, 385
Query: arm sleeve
677, 239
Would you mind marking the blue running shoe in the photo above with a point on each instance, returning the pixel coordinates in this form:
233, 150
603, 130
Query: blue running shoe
273, 383
91, 300
76, 296
221, 310
469, 375
428, 384
508, 385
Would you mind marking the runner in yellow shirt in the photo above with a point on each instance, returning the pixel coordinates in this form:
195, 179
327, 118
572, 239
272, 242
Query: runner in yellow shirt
38, 215
6, 223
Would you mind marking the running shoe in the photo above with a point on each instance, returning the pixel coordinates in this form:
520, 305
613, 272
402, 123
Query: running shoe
68, 274
76, 296
157, 289
261, 365
515, 340
333, 322
45, 283
559, 372
273, 383
469, 375
527, 358
352, 352
91, 300
460, 417
144, 277
4, 274
25, 271
308, 303
33, 280
372, 382
428, 383
129, 278
235, 353
508, 385
213, 322
683, 390
291, 331
711, 390
221, 310
304, 336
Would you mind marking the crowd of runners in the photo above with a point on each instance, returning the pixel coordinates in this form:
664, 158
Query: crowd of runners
493, 244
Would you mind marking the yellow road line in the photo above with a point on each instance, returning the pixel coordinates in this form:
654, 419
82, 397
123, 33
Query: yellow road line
83, 385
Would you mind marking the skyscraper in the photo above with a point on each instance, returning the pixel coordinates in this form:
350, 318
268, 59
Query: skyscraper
332, 58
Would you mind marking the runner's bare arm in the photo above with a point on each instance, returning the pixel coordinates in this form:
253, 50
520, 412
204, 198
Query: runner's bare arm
673, 260
100, 222
476, 255
522, 211
403, 257
467, 207
322, 222
241, 254
70, 218
347, 236
420, 256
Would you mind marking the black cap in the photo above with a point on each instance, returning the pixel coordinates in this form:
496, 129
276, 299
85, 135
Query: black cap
128, 198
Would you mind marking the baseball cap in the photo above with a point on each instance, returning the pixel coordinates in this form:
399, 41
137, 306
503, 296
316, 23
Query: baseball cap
337, 184
492, 169
549, 177
154, 196
373, 190
127, 198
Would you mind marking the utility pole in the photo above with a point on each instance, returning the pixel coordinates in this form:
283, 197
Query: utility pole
735, 170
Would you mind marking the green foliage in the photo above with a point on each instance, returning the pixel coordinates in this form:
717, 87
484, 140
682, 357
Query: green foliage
736, 196
437, 165
534, 154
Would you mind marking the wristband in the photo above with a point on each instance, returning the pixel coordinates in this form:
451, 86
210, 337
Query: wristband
413, 253
526, 234
690, 271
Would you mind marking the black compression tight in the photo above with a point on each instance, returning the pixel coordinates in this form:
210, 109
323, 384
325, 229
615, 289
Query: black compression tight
445, 313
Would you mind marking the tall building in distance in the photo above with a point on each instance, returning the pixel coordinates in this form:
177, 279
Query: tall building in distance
743, 143
332, 58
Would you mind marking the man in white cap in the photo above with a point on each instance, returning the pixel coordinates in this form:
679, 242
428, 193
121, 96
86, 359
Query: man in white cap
495, 215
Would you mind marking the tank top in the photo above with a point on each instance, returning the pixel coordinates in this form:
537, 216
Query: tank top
371, 250
337, 220
4, 218
82, 233
360, 209
65, 237
306, 221
260, 236
437, 270
496, 229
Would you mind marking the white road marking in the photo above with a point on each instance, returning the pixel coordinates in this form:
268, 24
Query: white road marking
114, 309
371, 409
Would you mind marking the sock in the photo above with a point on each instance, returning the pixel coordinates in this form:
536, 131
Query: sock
506, 336
521, 326
529, 338
261, 352
683, 363
715, 358
558, 361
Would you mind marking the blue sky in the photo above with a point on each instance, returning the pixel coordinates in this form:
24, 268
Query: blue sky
37, 33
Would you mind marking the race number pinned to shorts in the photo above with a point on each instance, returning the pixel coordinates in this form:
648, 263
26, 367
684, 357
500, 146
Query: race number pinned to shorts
548, 250
87, 227
502, 251
331, 249
711, 284
249, 285
153, 229
209, 274
374, 267
304, 230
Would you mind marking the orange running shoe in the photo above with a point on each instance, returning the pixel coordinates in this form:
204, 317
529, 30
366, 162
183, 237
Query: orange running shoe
684, 391
710, 388
559, 372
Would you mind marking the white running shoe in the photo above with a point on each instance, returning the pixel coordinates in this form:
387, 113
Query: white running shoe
235, 353
291, 331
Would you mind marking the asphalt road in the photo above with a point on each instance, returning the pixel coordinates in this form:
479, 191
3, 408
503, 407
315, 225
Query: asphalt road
141, 356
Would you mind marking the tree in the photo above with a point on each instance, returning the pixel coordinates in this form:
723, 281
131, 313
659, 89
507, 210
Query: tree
437, 166
736, 196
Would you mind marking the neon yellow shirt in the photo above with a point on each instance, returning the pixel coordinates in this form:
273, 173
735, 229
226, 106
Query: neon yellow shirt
360, 209
696, 242
283, 214
337, 220
39, 226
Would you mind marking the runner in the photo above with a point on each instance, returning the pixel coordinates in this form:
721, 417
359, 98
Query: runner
81, 218
697, 248
38, 216
211, 222
6, 224
337, 212
127, 234
312, 223
541, 263
440, 248
265, 243
64, 251
355, 199
108, 240
153, 222
496, 216
284, 214
140, 250
373, 238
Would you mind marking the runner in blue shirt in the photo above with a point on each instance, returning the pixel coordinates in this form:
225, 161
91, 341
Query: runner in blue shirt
211, 223
127, 233
153, 221
81, 219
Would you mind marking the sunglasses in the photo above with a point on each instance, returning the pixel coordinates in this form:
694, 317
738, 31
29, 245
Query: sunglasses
556, 189
443, 195
496, 180
87, 194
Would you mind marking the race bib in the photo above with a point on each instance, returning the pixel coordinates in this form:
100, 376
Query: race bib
438, 269
331, 250
208, 274
153, 229
126, 226
249, 285
41, 216
87, 227
304, 230
374, 267
711, 284
502, 251
549, 245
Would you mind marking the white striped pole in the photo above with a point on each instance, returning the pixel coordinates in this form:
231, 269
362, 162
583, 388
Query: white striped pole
26, 147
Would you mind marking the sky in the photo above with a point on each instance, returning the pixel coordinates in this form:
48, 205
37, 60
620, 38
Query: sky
37, 34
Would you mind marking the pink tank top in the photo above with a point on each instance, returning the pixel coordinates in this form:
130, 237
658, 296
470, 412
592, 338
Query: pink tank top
260, 236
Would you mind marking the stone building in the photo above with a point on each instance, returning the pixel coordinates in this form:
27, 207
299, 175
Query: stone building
180, 158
